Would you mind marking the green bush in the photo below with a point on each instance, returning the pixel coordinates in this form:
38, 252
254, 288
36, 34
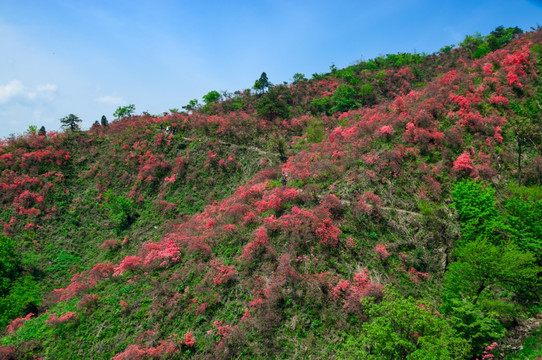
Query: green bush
122, 211
523, 216
479, 327
402, 328
9, 264
274, 104
320, 105
475, 205
344, 99
25, 295
367, 94
315, 131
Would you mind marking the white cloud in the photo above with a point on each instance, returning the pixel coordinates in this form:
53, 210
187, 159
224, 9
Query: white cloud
15, 90
112, 100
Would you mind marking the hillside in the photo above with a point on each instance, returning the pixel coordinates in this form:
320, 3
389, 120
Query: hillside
391, 209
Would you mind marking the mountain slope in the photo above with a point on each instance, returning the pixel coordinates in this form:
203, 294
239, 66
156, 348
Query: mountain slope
335, 217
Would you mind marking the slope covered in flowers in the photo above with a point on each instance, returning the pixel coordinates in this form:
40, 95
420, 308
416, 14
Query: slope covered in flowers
292, 224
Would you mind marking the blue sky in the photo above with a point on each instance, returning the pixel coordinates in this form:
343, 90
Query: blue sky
90, 57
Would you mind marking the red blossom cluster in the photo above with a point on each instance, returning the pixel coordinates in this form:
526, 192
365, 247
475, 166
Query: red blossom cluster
166, 347
488, 351
351, 292
83, 281
256, 246
223, 273
17, 323
382, 251
54, 320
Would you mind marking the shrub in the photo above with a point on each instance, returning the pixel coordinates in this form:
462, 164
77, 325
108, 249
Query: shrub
24, 297
9, 264
122, 211
321, 105
344, 99
315, 131
274, 104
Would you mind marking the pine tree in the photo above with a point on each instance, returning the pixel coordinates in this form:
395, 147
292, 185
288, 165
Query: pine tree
71, 121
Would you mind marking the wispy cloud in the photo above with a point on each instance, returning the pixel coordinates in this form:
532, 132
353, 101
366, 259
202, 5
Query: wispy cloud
112, 100
15, 90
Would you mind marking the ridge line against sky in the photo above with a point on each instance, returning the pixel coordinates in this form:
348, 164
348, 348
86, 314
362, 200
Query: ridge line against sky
90, 57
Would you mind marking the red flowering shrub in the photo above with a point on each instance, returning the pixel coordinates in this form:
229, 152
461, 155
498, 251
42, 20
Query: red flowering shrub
368, 204
256, 246
328, 233
382, 251
352, 292
188, 339
498, 100
386, 130
488, 68
332, 204
160, 253
129, 263
54, 320
101, 271
223, 274
17, 323
274, 198
463, 162
7, 352
166, 348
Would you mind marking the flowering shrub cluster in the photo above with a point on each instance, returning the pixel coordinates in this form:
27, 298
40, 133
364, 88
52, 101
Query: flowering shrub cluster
55, 320
17, 323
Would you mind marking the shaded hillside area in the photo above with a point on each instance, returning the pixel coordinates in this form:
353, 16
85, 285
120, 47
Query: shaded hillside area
391, 209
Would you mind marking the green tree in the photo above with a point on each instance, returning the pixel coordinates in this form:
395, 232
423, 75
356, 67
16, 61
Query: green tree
320, 106
192, 105
211, 97
32, 130
24, 297
471, 42
475, 206
479, 327
71, 121
403, 328
483, 270
298, 77
501, 36
491, 280
367, 94
42, 131
262, 83
274, 104
104, 121
344, 99
523, 215
124, 111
